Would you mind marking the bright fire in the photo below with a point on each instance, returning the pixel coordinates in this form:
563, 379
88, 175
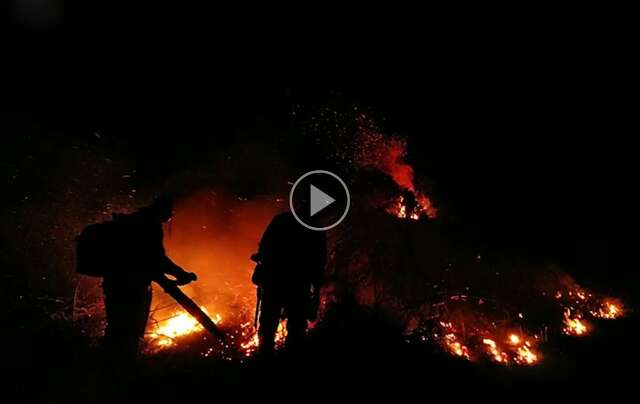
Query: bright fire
181, 323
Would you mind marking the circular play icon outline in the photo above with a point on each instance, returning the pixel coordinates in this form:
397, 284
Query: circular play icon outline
324, 200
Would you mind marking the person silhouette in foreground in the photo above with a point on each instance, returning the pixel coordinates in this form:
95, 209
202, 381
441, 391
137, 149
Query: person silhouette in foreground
291, 261
127, 288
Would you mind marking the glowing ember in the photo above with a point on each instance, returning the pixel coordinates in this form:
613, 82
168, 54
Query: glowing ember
455, 347
399, 208
608, 310
526, 356
252, 344
577, 303
496, 354
425, 206
574, 325
517, 351
420, 207
514, 348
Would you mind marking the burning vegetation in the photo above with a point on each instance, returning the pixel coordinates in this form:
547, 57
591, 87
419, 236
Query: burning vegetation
392, 259
165, 332
464, 327
496, 341
181, 326
413, 206
376, 151
578, 303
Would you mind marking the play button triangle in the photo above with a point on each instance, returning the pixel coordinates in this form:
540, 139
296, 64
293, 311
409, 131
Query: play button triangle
319, 200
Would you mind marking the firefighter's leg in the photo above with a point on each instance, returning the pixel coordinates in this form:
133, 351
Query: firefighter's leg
142, 311
296, 330
296, 321
116, 301
118, 341
127, 311
270, 311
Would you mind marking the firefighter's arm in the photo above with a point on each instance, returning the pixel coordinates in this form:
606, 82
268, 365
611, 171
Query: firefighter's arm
265, 247
171, 268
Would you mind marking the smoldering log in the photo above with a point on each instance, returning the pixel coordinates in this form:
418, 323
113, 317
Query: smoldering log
173, 290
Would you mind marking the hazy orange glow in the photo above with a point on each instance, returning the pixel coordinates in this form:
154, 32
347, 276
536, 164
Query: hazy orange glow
213, 234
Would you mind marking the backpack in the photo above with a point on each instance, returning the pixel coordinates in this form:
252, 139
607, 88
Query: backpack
96, 249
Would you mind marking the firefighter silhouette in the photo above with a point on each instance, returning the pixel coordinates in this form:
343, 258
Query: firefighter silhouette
291, 261
139, 259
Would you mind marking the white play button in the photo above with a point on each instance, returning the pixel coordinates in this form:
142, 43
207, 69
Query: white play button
319, 200
311, 204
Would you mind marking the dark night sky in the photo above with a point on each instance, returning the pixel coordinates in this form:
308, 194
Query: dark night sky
526, 132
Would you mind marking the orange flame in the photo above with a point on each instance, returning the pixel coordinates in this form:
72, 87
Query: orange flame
574, 324
513, 348
164, 333
455, 347
387, 154
608, 310
167, 333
